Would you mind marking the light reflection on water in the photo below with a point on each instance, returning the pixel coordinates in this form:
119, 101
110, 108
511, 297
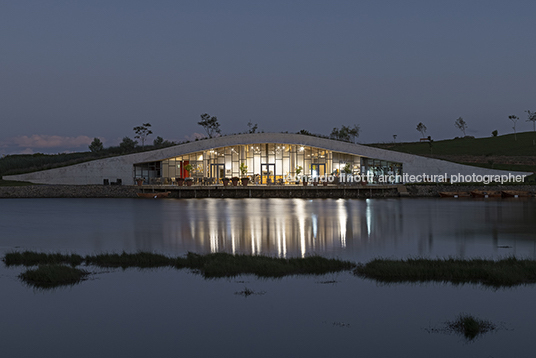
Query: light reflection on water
168, 312
276, 227
353, 228
356, 229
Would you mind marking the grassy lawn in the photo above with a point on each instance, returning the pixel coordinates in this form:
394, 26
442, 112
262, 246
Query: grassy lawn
504, 145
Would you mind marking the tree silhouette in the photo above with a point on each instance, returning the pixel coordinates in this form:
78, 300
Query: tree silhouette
461, 125
252, 127
346, 133
421, 128
127, 145
532, 118
514, 120
210, 124
96, 146
158, 141
142, 132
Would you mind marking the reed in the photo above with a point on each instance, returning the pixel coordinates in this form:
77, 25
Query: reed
227, 265
30, 258
501, 273
50, 276
471, 327
126, 260
209, 265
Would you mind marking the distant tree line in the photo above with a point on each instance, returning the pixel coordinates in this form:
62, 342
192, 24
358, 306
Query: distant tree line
129, 145
25, 163
462, 125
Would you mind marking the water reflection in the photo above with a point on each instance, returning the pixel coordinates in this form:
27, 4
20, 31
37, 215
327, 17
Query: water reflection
146, 310
283, 227
277, 226
356, 229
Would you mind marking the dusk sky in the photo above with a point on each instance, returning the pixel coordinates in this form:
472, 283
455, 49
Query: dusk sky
74, 70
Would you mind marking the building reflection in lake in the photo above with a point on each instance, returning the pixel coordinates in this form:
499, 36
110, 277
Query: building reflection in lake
280, 227
361, 229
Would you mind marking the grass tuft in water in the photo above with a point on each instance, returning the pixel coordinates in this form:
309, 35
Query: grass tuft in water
29, 258
470, 326
502, 273
227, 265
50, 276
125, 260
247, 292
209, 265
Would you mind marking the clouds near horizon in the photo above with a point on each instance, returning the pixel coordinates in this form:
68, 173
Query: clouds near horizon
38, 142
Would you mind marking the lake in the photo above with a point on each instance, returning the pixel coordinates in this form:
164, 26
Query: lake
166, 312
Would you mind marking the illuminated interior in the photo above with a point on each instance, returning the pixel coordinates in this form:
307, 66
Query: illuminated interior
263, 163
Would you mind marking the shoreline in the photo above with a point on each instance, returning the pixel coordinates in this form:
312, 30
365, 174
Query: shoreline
335, 192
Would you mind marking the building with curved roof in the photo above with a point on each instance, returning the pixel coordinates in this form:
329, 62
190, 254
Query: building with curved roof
264, 157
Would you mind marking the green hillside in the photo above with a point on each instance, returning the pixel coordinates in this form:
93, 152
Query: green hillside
504, 145
501, 152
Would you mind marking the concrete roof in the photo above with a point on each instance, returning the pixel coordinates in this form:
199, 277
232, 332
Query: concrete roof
121, 167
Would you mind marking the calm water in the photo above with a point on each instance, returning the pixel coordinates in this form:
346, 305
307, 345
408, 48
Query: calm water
168, 313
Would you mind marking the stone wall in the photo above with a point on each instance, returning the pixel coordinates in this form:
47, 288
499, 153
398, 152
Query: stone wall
128, 191
68, 191
433, 190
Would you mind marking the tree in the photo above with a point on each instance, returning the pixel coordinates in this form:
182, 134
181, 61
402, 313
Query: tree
461, 125
345, 133
96, 146
394, 138
127, 145
514, 120
532, 118
252, 127
421, 128
142, 132
495, 133
158, 141
210, 124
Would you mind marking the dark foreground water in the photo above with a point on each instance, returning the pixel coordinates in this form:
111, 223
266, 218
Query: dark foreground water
169, 313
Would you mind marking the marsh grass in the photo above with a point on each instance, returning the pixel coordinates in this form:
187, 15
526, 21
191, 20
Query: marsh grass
29, 258
50, 276
209, 265
125, 260
466, 325
247, 292
227, 265
470, 326
502, 273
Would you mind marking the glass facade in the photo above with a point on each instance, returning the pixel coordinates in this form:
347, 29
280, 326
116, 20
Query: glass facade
263, 163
